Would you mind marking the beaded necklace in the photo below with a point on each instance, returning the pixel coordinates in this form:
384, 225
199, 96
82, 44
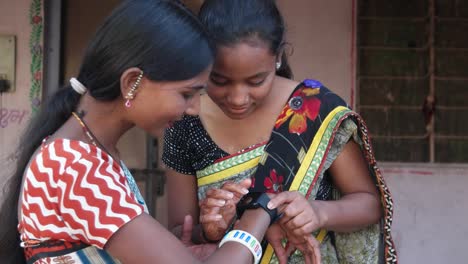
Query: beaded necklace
92, 138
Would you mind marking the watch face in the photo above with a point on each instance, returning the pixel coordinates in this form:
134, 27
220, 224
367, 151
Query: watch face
249, 199
255, 200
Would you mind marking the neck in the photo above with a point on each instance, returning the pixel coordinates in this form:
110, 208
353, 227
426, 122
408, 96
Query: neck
105, 121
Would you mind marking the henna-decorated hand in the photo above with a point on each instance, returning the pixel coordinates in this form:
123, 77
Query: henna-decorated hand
218, 209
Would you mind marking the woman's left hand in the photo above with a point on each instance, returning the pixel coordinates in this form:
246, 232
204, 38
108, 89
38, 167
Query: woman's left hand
199, 251
309, 247
274, 235
307, 244
300, 218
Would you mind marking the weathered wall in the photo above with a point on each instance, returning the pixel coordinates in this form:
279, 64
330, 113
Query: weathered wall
15, 106
431, 203
321, 35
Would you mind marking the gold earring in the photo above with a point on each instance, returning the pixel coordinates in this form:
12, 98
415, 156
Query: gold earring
131, 94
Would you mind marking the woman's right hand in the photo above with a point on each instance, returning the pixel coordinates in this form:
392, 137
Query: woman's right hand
308, 245
218, 209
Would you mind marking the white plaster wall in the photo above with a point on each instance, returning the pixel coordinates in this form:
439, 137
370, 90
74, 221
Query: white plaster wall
320, 33
431, 205
14, 20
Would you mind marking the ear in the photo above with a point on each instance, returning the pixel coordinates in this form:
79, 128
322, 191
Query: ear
128, 79
280, 53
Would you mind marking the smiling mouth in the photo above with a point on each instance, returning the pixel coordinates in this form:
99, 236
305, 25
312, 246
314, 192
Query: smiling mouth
237, 110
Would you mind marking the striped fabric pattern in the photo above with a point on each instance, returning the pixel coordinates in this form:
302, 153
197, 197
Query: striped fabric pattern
75, 192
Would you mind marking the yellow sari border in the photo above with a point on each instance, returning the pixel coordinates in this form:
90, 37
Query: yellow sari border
230, 166
305, 168
302, 171
250, 164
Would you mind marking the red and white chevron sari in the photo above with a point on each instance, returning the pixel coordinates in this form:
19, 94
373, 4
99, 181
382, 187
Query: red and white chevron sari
75, 197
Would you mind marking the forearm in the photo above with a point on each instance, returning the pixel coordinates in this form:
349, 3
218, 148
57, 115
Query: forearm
352, 212
165, 248
197, 233
254, 222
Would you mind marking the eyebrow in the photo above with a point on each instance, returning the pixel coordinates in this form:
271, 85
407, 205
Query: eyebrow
198, 87
250, 77
217, 74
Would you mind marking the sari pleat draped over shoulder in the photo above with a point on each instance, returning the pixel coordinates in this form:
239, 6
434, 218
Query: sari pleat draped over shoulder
309, 134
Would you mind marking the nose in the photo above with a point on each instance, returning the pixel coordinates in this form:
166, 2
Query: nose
193, 105
238, 96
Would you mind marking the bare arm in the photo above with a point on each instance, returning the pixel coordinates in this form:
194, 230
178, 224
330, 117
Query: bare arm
182, 194
358, 207
360, 204
144, 240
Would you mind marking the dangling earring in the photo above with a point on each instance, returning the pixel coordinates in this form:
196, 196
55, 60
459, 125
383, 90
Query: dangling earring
131, 94
278, 65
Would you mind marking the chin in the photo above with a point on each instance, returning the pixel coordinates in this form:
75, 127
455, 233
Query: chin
237, 116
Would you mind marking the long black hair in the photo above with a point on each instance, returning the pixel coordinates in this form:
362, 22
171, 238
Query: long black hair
230, 22
161, 37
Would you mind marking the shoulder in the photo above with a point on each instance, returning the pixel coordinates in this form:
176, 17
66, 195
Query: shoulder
183, 130
307, 87
285, 87
65, 156
75, 151
186, 123
312, 91
323, 93
178, 144
62, 152
181, 135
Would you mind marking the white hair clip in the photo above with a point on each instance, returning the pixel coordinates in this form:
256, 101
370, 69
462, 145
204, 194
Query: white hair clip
77, 86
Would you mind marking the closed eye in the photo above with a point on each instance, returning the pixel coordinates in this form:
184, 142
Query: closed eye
189, 94
218, 82
257, 83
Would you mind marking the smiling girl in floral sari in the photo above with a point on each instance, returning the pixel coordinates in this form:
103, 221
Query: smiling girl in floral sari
298, 140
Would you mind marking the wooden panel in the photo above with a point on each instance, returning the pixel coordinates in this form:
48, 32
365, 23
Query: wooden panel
393, 63
400, 33
394, 122
452, 8
393, 92
451, 122
451, 63
452, 93
393, 8
401, 150
451, 33
451, 150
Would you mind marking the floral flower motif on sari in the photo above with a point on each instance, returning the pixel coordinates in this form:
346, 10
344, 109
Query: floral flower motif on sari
303, 105
274, 183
